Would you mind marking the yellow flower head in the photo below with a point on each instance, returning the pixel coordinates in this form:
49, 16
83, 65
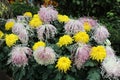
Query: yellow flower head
1, 34
35, 22
81, 37
63, 64
98, 53
63, 18
38, 44
87, 26
28, 14
64, 40
9, 25
36, 16
11, 39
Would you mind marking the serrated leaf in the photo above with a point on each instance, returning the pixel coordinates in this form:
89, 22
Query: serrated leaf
58, 76
93, 74
118, 0
19, 73
73, 1
73, 69
90, 63
50, 67
68, 77
78, 2
45, 76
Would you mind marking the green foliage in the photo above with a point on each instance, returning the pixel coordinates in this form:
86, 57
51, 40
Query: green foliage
90, 63
94, 74
20, 8
95, 8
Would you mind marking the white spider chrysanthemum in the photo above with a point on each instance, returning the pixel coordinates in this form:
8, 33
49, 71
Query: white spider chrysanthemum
18, 56
46, 31
101, 34
21, 31
73, 26
111, 67
44, 55
110, 51
48, 14
82, 55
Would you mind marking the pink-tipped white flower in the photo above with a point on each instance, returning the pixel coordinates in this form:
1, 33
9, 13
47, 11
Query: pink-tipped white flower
73, 26
46, 31
110, 51
47, 14
111, 67
101, 34
20, 18
18, 56
11, 20
81, 55
21, 31
107, 42
92, 22
44, 55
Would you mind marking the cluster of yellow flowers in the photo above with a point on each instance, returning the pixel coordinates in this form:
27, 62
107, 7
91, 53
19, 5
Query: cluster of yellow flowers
36, 21
38, 44
11, 39
63, 18
98, 53
81, 37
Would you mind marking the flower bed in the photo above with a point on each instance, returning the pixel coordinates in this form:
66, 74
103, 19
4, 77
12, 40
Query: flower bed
51, 45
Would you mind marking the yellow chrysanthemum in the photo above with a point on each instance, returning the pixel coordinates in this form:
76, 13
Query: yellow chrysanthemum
63, 64
64, 40
1, 34
38, 44
87, 26
35, 22
81, 37
36, 16
9, 25
98, 53
63, 18
11, 39
28, 14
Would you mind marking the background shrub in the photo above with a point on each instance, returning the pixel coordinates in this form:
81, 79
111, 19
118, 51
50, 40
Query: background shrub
20, 8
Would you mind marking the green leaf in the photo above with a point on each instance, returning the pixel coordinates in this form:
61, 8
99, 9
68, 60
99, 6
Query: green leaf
45, 76
58, 76
118, 0
78, 2
18, 73
93, 74
73, 69
68, 77
90, 63
50, 67
21, 74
